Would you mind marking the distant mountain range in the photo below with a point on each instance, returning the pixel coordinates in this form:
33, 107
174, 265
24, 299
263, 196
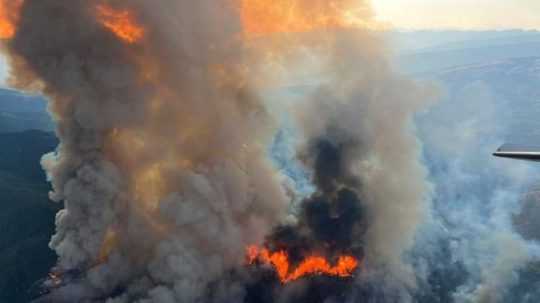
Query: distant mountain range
27, 215
513, 85
429, 51
20, 112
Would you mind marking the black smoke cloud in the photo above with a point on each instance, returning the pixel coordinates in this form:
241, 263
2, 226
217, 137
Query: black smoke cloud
333, 215
329, 223
334, 212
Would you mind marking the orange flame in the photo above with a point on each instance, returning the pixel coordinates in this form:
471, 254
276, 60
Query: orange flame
314, 265
121, 22
9, 17
260, 17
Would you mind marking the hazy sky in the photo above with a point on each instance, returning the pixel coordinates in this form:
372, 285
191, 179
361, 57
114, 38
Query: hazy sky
462, 14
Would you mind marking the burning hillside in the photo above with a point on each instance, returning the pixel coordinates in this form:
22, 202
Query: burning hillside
163, 166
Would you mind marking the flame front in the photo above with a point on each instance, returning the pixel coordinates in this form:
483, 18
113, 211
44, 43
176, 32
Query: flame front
120, 22
314, 265
9, 16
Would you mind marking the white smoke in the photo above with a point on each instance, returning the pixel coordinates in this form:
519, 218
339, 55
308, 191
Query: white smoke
476, 195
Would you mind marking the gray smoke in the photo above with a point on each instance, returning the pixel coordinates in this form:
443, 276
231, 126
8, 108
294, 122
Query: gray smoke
366, 102
475, 195
162, 166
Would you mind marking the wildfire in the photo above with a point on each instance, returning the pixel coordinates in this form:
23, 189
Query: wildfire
109, 242
261, 17
314, 265
55, 279
9, 16
121, 22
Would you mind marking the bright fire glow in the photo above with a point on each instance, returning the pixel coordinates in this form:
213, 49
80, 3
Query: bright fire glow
314, 265
9, 16
260, 17
121, 22
109, 243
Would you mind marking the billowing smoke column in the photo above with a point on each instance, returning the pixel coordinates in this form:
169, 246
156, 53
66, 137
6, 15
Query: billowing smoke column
364, 113
162, 165
370, 191
357, 139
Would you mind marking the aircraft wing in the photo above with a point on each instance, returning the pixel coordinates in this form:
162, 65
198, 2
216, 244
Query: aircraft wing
519, 152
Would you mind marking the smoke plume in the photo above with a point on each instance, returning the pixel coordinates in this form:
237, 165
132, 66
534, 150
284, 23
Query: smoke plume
379, 158
163, 168
476, 195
